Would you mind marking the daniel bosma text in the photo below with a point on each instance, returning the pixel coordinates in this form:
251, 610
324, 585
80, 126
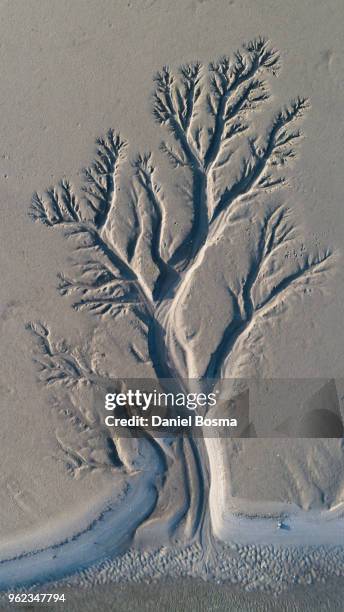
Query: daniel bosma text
157, 421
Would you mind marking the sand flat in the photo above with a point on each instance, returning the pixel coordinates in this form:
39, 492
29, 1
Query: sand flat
69, 75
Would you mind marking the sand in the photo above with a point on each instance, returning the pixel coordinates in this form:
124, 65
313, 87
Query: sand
218, 254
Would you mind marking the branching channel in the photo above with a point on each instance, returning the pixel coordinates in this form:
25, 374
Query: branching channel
209, 114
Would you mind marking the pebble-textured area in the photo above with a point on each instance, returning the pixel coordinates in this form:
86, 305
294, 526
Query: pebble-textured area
268, 568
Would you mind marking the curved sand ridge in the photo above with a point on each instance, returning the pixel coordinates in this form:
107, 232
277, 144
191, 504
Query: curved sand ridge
106, 536
110, 533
